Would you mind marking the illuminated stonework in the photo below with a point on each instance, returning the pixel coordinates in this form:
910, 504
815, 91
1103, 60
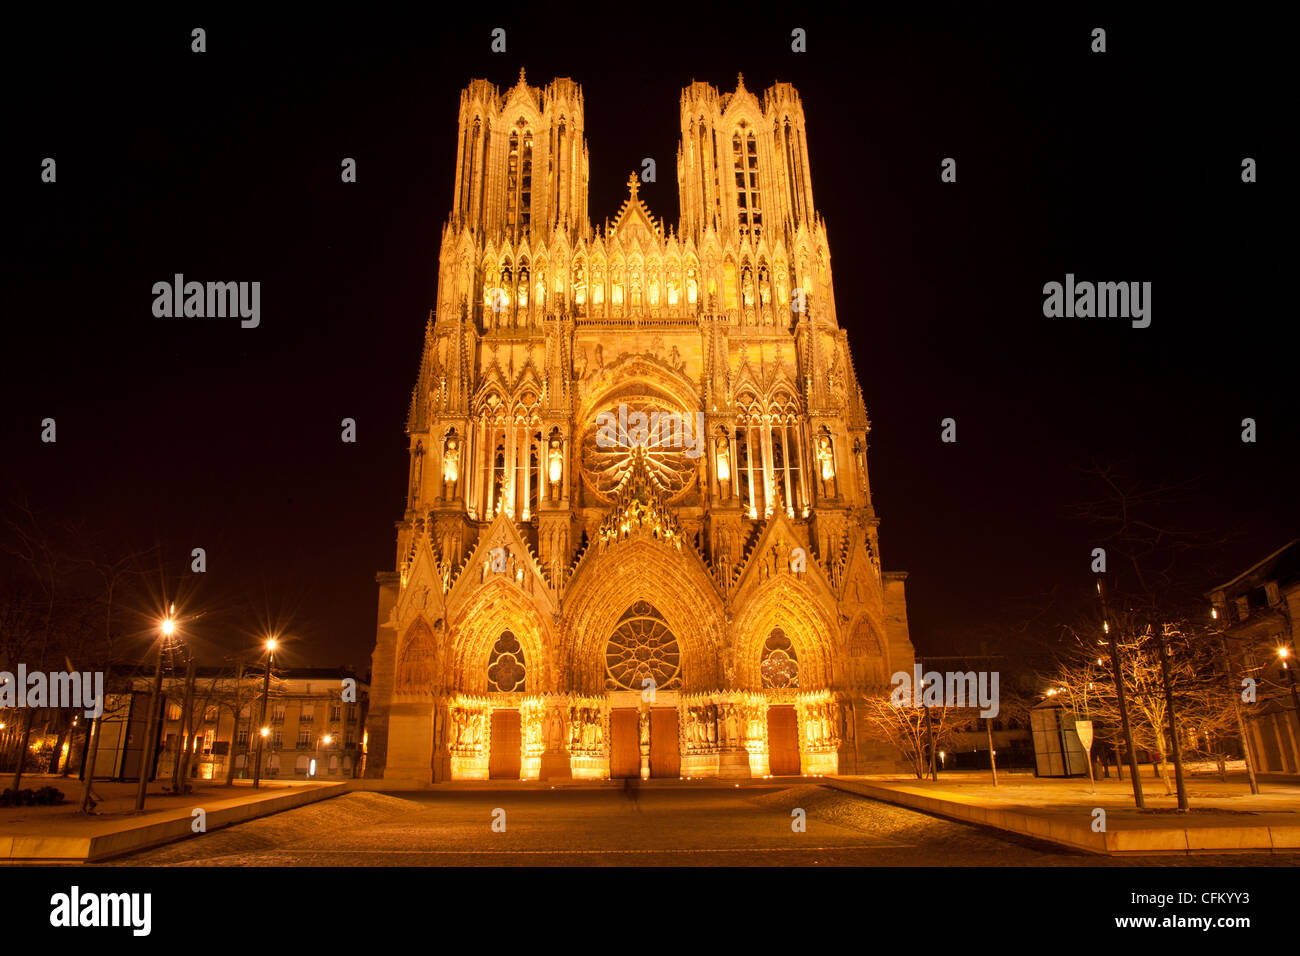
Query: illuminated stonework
639, 537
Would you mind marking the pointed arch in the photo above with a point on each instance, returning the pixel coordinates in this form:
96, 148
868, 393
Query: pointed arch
494, 608
788, 604
416, 658
674, 582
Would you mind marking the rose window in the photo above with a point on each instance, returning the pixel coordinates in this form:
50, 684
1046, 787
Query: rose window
669, 439
642, 647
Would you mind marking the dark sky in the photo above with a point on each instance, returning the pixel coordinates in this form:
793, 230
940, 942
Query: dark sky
1123, 166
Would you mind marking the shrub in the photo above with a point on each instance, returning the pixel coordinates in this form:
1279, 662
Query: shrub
44, 797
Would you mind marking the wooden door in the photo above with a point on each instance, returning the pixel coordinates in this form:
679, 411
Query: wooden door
665, 752
783, 741
504, 761
624, 743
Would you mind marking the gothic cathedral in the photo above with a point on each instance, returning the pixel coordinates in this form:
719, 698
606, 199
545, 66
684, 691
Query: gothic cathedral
639, 538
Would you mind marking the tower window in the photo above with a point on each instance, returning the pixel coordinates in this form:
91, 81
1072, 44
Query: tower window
519, 181
745, 155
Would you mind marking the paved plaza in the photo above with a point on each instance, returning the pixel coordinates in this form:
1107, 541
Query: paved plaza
636, 826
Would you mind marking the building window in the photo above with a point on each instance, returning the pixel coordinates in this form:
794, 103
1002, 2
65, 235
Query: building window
242, 736
173, 711
506, 665
305, 740
519, 181
277, 738
277, 714
744, 149
780, 663
334, 713
642, 647
308, 714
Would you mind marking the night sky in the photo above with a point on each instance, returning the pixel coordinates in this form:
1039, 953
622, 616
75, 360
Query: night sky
1123, 166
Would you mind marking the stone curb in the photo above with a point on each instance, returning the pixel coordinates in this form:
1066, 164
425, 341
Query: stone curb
1080, 836
129, 839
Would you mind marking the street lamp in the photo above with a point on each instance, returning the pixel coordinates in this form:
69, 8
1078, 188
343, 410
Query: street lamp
1117, 674
1222, 634
167, 628
271, 645
1284, 653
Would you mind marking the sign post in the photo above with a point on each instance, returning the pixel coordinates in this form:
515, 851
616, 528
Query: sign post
1084, 730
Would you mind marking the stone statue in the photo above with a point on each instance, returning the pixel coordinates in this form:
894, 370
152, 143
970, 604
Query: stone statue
417, 471
826, 464
450, 466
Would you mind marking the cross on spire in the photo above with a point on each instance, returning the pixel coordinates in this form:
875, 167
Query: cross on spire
633, 184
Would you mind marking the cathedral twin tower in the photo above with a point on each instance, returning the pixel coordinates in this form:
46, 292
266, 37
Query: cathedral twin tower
639, 538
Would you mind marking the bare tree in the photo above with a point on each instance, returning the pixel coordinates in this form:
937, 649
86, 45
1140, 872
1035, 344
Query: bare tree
916, 732
1202, 697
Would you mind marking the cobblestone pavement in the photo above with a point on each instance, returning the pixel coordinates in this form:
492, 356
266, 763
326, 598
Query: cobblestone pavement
640, 826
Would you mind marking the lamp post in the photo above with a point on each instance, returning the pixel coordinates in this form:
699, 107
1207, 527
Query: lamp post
167, 628
1236, 705
1175, 742
1284, 653
1138, 797
266, 691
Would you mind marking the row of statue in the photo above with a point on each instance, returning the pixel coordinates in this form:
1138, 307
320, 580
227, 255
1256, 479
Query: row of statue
708, 727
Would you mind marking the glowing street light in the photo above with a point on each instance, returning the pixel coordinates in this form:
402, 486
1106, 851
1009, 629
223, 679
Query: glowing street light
271, 645
1284, 653
166, 627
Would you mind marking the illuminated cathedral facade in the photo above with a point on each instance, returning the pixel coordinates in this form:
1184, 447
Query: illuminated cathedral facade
639, 539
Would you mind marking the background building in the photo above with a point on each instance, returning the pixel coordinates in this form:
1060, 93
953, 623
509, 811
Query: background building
1258, 609
313, 732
